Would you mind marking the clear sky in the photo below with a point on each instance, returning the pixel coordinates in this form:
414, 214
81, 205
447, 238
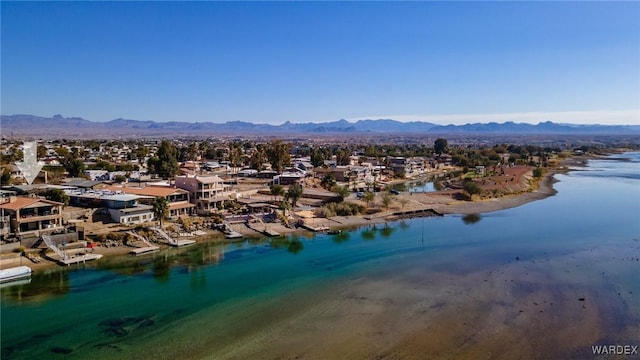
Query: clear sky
271, 62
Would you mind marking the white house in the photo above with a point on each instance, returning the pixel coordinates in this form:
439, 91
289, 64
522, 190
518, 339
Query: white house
209, 193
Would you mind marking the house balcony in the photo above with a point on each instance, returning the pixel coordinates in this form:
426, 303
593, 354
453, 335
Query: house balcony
37, 232
34, 218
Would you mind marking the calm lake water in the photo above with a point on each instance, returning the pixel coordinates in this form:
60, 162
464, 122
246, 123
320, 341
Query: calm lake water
545, 280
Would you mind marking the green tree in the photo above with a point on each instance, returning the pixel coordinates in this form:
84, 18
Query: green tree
368, 197
41, 151
278, 154
165, 163
140, 152
342, 191
343, 157
537, 172
258, 158
120, 178
57, 195
328, 181
160, 208
75, 168
277, 190
5, 178
285, 205
317, 157
235, 154
440, 146
294, 194
471, 188
193, 152
105, 165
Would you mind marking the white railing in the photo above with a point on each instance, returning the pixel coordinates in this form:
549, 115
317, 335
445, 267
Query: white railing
141, 238
53, 246
164, 235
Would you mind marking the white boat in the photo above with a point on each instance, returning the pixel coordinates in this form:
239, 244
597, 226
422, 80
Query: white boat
14, 273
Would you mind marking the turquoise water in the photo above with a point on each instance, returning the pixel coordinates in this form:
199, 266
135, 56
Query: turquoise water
415, 186
248, 299
421, 186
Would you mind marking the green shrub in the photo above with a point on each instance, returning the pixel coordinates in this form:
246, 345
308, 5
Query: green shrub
537, 172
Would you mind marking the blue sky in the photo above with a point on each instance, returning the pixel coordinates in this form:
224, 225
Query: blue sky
271, 62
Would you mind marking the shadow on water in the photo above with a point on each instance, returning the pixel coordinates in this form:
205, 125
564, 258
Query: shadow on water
471, 219
387, 231
292, 244
43, 287
341, 237
369, 234
161, 269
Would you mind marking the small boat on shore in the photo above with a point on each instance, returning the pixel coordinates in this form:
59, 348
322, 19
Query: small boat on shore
334, 232
14, 273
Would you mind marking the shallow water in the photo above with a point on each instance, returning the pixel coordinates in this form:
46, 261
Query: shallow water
416, 186
422, 187
545, 280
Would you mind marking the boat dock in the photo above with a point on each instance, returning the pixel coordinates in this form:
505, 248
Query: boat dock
228, 232
263, 229
79, 259
144, 250
178, 243
171, 241
257, 224
270, 232
318, 228
233, 235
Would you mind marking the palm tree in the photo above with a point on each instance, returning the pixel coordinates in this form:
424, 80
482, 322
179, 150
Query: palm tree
294, 194
160, 208
285, 205
386, 201
403, 202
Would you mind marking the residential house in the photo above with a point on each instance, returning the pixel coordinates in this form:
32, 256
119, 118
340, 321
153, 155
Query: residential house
209, 193
5, 220
30, 216
340, 173
303, 165
290, 178
124, 209
178, 199
86, 184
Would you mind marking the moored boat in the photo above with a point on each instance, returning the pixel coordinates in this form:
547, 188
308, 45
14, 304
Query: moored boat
14, 273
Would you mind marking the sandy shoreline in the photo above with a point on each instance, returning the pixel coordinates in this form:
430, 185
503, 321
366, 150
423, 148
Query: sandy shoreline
416, 202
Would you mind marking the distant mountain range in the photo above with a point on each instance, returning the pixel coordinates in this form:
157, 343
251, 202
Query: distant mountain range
59, 126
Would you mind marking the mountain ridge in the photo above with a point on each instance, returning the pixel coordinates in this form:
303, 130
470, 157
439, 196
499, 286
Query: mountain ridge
57, 125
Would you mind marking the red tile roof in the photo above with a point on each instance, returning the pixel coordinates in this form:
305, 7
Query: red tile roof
22, 202
147, 191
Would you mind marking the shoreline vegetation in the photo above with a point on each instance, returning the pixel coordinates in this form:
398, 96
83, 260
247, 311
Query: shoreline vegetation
415, 205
